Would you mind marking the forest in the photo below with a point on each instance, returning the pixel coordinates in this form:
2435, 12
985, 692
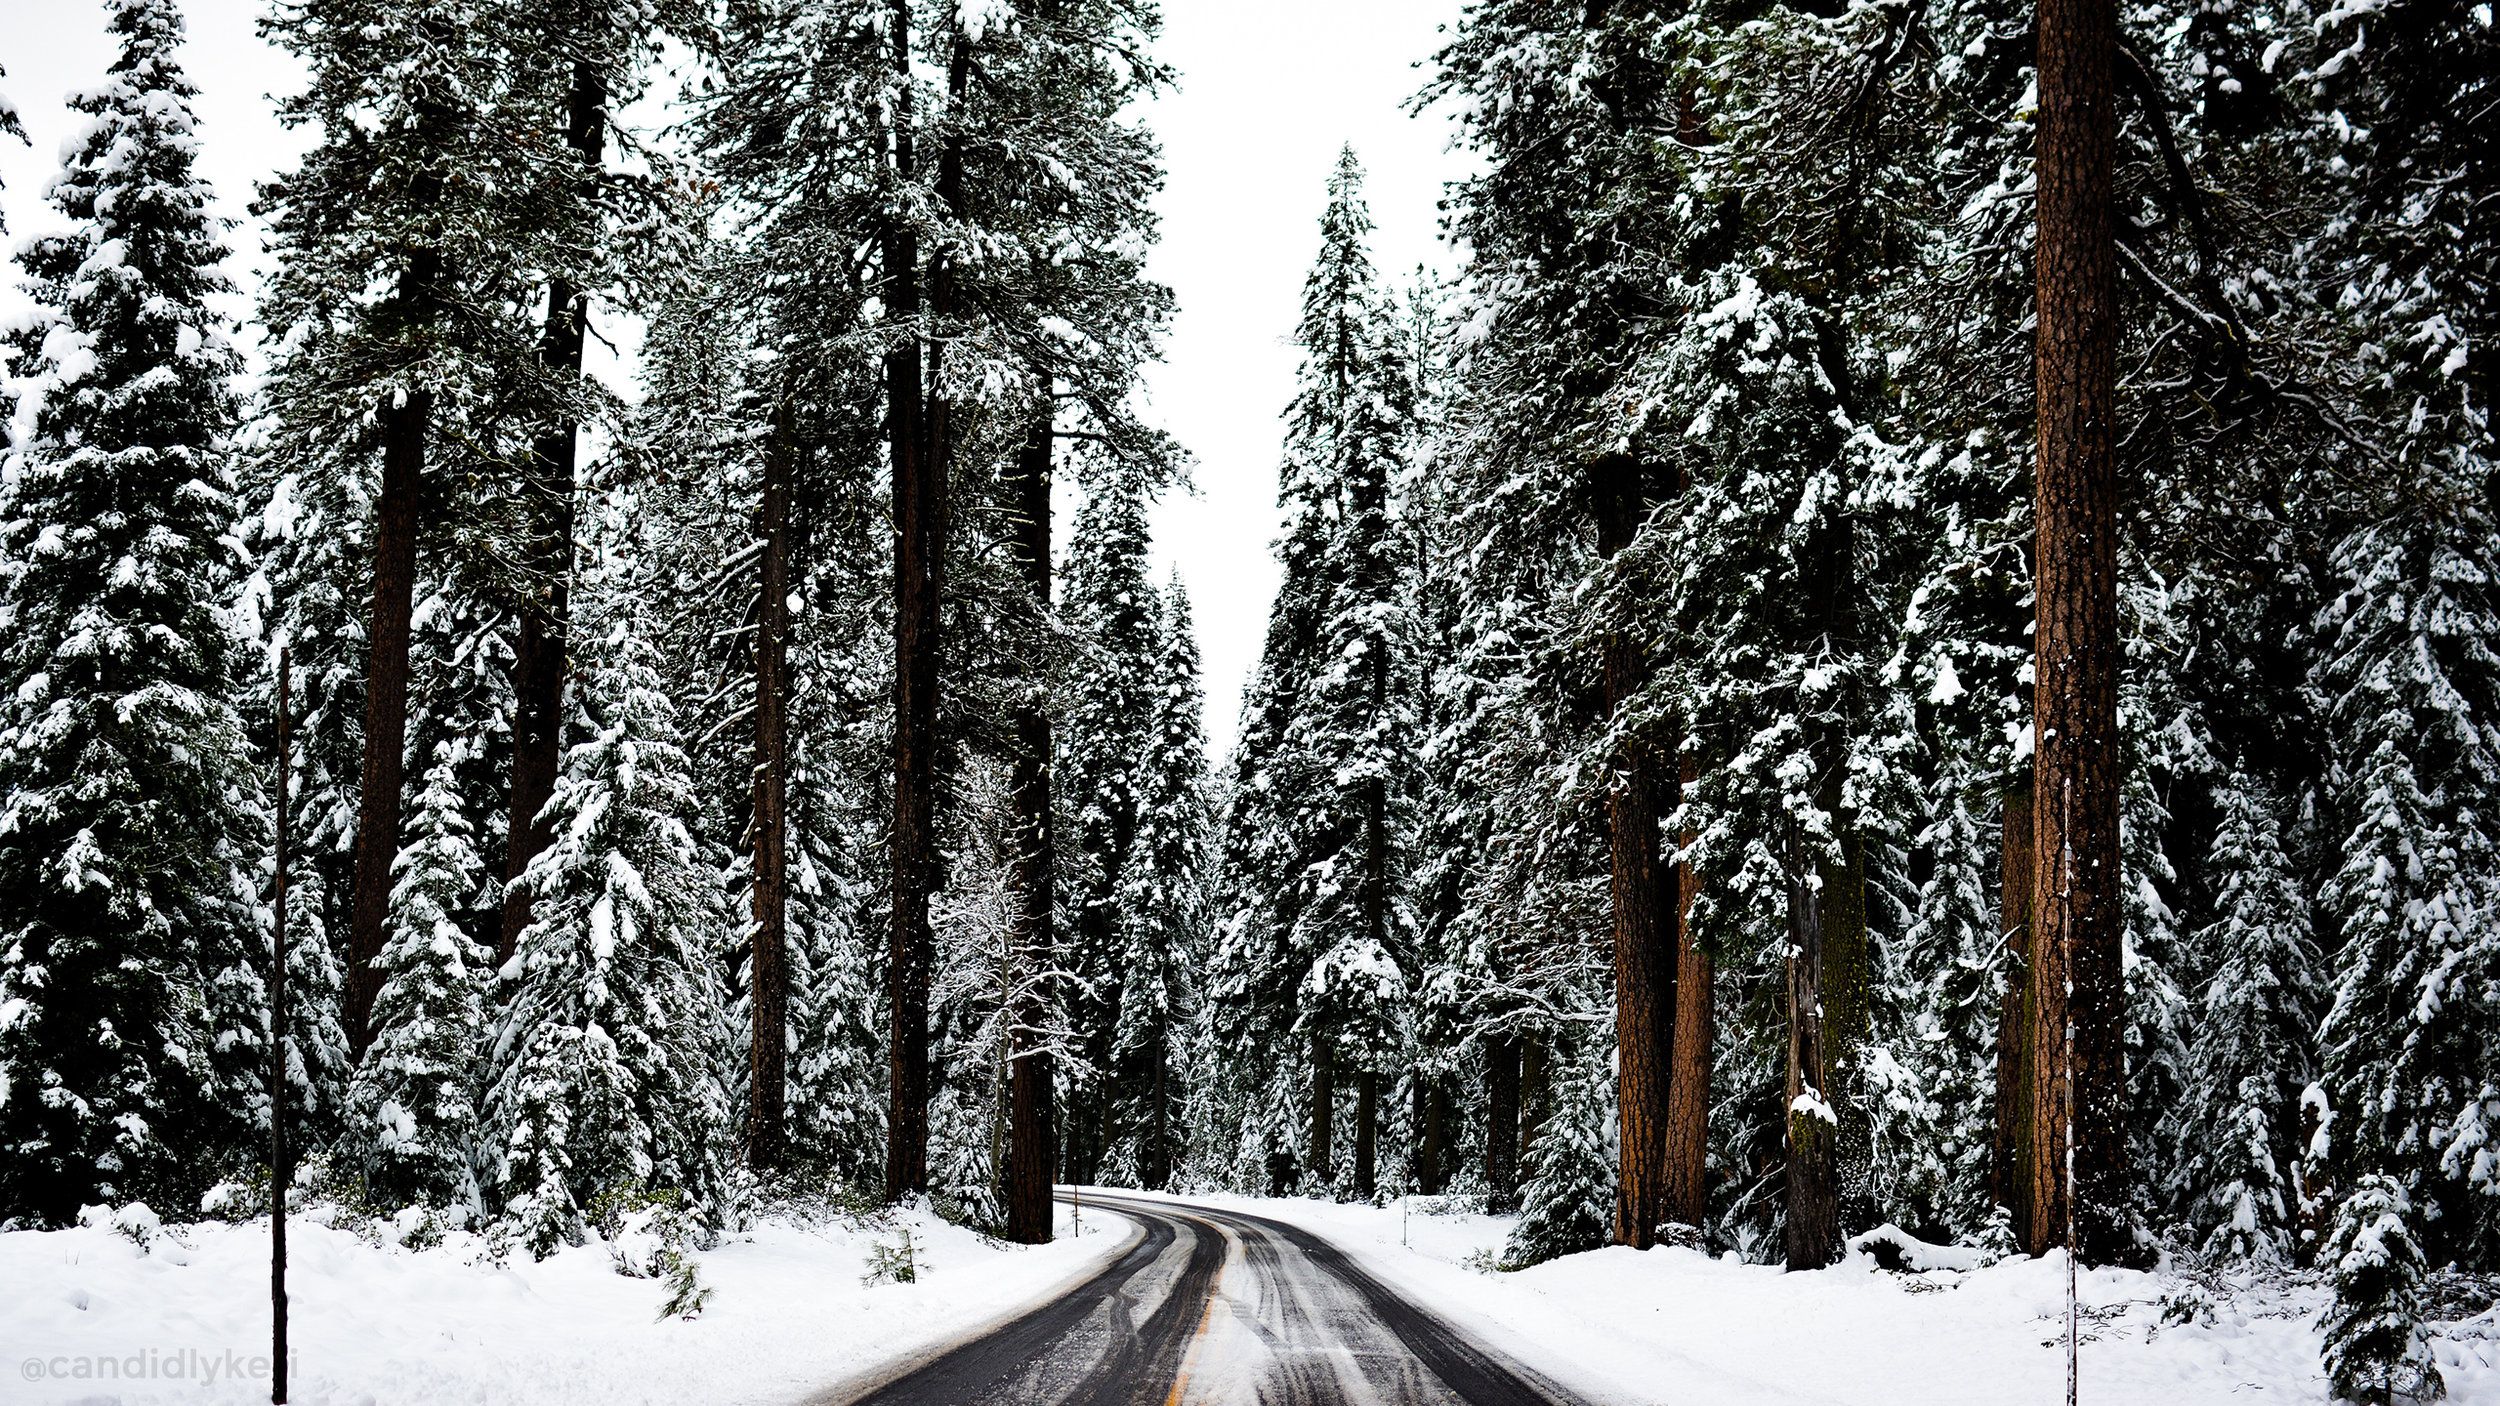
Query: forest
1912, 645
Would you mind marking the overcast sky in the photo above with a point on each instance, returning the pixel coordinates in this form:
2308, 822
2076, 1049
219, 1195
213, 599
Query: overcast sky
1269, 91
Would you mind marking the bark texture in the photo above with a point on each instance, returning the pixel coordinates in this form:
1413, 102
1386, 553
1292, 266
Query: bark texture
1644, 941
2078, 1074
2009, 1165
1687, 1192
1029, 1152
768, 970
395, 526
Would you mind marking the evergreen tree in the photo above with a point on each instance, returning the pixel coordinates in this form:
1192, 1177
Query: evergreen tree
1568, 1203
2376, 1352
1164, 904
131, 824
412, 1108
2240, 1116
604, 1081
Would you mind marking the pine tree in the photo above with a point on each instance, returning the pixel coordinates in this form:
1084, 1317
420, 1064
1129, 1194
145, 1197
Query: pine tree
1317, 951
1567, 1205
130, 812
1164, 904
604, 1072
2376, 1352
2240, 1116
412, 1108
2409, 663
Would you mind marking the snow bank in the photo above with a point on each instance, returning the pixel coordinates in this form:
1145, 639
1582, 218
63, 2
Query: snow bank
86, 1310
1673, 1325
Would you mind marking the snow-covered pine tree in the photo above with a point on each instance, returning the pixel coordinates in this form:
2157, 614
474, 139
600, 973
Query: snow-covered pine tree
1567, 1205
1163, 903
605, 1063
412, 1106
2240, 1117
2376, 1351
131, 823
1316, 952
2408, 663
1104, 742
10, 126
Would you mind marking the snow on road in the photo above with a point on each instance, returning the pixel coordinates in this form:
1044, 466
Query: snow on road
1676, 1327
82, 1311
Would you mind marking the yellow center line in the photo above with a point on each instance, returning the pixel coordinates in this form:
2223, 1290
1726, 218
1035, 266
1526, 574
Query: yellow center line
1215, 1291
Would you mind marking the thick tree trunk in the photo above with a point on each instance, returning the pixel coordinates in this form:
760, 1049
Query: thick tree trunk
1030, 872
2078, 1073
538, 663
768, 971
1687, 1198
1644, 943
1501, 1125
918, 484
2009, 1161
1156, 1166
1366, 1131
1535, 1073
395, 526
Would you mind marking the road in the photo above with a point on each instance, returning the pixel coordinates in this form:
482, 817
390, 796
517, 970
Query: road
1212, 1307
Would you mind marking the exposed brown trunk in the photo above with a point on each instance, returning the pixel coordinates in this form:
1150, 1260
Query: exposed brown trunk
2009, 1160
1366, 1131
1644, 944
1030, 871
539, 648
1501, 1125
768, 972
2078, 1073
395, 525
1687, 1199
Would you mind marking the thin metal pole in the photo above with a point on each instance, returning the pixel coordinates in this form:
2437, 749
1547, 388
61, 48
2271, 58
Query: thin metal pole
280, 1173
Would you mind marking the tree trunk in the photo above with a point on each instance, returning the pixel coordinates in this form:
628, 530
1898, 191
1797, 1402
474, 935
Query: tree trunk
768, 969
395, 526
538, 662
1644, 947
2009, 1161
1323, 1167
1366, 1119
1501, 1125
1687, 1198
1030, 873
1534, 1075
1828, 973
2078, 1073
1434, 1149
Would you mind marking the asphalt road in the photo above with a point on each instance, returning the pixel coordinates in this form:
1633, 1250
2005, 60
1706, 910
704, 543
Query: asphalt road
1213, 1307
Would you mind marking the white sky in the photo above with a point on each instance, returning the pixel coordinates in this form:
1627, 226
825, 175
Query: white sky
1269, 91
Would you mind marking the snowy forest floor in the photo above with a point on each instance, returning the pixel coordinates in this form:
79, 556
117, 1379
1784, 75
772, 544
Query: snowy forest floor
376, 1325
790, 1317
1674, 1327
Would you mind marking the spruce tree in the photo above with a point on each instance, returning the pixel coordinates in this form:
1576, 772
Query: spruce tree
2376, 1351
130, 815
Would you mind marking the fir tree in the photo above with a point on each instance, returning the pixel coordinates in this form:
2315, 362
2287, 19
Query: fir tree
1567, 1205
130, 819
412, 1108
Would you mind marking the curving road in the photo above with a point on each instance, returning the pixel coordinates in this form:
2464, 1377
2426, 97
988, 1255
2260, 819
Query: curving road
1213, 1307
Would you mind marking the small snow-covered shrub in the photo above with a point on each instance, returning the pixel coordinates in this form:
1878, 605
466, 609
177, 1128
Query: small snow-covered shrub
895, 1261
